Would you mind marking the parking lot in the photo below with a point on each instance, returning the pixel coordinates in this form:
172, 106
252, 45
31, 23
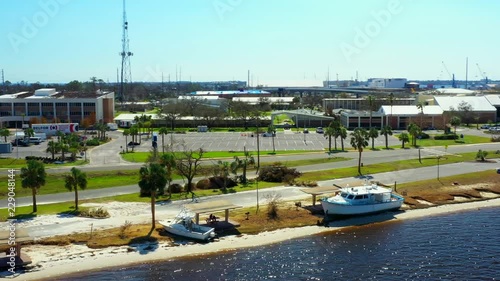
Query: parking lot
232, 141
221, 141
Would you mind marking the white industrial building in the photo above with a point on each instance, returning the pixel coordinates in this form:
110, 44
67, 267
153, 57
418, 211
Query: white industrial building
386, 82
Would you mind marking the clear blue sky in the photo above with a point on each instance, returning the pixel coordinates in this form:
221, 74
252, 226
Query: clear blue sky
288, 42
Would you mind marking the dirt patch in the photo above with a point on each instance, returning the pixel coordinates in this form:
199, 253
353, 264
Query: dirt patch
433, 192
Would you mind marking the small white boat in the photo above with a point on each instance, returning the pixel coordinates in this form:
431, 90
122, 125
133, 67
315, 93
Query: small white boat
361, 200
183, 225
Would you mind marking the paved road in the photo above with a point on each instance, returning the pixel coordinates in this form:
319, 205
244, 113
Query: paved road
140, 212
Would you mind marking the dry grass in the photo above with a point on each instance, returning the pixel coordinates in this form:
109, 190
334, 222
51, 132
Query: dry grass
447, 189
133, 234
288, 216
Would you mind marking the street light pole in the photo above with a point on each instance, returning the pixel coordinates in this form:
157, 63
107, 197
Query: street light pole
439, 157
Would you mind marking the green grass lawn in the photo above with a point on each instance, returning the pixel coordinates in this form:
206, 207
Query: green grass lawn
141, 157
468, 139
96, 180
390, 166
12, 163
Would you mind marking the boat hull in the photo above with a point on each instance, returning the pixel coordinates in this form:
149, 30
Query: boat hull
349, 209
196, 232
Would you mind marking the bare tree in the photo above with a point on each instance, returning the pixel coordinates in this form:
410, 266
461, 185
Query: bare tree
188, 162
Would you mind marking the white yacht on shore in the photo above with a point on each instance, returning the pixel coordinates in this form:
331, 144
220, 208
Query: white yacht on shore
361, 200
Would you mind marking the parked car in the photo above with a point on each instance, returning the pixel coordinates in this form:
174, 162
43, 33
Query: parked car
267, 134
306, 131
320, 130
498, 171
19, 142
485, 126
133, 143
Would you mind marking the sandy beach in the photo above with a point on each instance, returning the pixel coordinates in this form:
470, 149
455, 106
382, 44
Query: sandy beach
51, 261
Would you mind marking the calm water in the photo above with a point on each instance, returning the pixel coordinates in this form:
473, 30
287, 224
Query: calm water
462, 246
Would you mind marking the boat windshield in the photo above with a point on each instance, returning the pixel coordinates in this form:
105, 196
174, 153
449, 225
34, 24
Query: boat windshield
343, 194
350, 196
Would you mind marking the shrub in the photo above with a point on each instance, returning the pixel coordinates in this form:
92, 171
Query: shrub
124, 229
446, 137
193, 187
203, 184
99, 213
424, 136
495, 138
278, 173
273, 203
93, 142
175, 188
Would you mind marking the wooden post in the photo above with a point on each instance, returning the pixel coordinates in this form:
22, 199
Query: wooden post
227, 215
197, 218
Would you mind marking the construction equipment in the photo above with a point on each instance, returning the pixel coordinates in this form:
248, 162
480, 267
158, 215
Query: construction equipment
452, 76
483, 74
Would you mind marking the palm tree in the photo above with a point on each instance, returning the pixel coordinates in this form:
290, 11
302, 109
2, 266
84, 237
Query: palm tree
359, 140
342, 135
33, 176
167, 160
153, 178
414, 131
420, 107
53, 148
134, 131
329, 132
224, 167
404, 137
455, 122
481, 154
163, 131
4, 133
29, 132
242, 163
386, 131
76, 179
126, 133
373, 133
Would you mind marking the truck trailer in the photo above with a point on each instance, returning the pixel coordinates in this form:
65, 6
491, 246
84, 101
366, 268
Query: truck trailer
52, 129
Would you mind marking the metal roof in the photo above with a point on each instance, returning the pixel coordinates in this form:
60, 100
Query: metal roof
478, 103
211, 206
493, 99
407, 110
320, 190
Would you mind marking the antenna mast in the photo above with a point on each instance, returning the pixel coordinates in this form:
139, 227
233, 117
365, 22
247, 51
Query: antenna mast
126, 71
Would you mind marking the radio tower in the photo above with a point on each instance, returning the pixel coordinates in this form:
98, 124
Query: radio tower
126, 71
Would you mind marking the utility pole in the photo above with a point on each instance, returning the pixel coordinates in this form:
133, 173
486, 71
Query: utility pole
466, 71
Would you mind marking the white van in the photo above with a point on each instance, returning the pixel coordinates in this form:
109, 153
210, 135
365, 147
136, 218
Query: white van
42, 136
35, 140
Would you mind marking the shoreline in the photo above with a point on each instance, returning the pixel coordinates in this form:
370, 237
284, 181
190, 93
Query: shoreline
55, 261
